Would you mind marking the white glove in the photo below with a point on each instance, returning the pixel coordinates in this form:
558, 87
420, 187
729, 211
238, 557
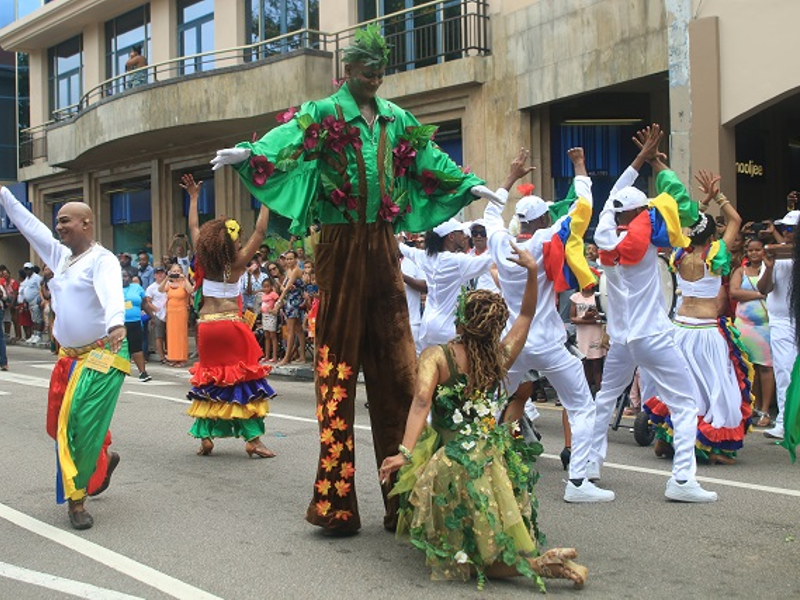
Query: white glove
481, 191
229, 156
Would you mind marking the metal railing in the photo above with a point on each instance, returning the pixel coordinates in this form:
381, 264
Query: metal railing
428, 34
424, 35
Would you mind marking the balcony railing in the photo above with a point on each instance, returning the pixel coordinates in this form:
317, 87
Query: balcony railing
428, 34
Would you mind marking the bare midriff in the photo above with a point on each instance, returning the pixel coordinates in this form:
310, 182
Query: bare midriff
693, 269
219, 305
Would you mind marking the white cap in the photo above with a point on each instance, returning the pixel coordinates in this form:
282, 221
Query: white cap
27, 265
530, 208
448, 227
791, 218
629, 198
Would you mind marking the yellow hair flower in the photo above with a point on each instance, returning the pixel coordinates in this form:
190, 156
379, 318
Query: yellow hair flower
233, 229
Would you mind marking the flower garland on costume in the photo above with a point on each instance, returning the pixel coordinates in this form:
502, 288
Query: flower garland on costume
333, 435
329, 139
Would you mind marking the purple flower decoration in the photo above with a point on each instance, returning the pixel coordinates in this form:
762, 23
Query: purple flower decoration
429, 181
286, 116
311, 138
404, 155
262, 169
389, 210
341, 195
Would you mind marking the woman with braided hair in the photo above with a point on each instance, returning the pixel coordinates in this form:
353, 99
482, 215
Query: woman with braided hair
466, 485
229, 391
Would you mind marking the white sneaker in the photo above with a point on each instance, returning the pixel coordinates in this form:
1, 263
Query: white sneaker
688, 492
776, 433
587, 492
34, 339
592, 471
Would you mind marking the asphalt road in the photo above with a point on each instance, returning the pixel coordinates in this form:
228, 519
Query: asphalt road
173, 524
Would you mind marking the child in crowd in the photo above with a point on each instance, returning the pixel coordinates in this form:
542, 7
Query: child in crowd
269, 321
583, 313
312, 300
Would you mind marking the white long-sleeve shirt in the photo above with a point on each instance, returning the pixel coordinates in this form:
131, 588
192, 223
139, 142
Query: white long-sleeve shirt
635, 307
445, 273
547, 329
778, 299
86, 296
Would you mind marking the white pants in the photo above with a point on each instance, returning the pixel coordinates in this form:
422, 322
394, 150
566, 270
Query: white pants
415, 334
565, 374
784, 352
665, 367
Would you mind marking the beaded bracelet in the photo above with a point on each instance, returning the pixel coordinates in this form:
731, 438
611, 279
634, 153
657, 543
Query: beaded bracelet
720, 198
405, 452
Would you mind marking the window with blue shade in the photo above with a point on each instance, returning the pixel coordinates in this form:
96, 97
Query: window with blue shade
66, 76
269, 19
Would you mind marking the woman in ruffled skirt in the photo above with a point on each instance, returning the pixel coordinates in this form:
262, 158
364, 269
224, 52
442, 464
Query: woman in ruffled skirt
230, 394
466, 485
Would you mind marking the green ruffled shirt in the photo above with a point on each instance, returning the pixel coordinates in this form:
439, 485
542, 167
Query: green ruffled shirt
345, 183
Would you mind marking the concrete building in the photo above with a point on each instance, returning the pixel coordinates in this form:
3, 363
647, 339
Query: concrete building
496, 75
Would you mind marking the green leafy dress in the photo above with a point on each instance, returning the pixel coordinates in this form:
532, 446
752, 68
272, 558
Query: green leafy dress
466, 497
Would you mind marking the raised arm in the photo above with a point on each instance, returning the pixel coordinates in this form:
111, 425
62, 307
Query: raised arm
432, 366
192, 187
251, 246
709, 185
36, 232
515, 339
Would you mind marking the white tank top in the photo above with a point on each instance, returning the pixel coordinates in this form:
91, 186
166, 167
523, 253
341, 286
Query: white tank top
220, 289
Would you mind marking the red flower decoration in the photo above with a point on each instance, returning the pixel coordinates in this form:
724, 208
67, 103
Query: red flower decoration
429, 181
341, 195
286, 116
262, 169
404, 155
311, 138
389, 210
526, 189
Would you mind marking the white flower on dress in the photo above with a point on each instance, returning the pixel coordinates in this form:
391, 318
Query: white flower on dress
466, 430
515, 427
468, 445
457, 417
482, 410
461, 557
467, 406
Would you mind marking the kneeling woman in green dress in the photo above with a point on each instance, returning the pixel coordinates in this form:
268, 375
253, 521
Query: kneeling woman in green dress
466, 485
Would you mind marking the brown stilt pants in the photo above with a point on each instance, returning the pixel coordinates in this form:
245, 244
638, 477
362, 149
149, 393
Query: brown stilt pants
362, 321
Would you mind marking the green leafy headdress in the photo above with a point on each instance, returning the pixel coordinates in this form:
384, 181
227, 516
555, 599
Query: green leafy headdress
461, 306
369, 48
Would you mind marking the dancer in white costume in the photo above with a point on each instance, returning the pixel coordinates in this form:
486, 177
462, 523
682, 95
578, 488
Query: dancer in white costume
716, 359
776, 283
446, 269
629, 232
544, 349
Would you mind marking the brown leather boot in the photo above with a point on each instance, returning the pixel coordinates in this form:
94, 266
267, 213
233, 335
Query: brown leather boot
78, 516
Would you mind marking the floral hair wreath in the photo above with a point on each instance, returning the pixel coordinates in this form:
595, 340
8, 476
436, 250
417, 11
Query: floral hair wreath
369, 48
233, 229
702, 221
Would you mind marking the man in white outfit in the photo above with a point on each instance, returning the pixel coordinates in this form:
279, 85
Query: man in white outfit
638, 325
776, 283
446, 269
414, 280
544, 349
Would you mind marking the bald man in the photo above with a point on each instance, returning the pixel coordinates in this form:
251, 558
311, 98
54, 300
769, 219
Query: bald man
86, 292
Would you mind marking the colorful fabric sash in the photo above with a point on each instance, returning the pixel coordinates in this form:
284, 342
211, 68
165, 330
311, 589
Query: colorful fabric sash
83, 417
563, 255
791, 413
716, 256
660, 225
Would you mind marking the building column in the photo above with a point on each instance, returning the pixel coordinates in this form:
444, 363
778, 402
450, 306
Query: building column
229, 29
679, 14
94, 57
713, 146
164, 31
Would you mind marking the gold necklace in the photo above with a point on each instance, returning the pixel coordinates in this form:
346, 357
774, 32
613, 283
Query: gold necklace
71, 260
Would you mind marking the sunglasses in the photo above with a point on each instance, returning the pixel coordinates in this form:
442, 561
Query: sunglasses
479, 232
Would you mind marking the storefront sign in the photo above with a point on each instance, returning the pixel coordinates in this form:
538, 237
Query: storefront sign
750, 168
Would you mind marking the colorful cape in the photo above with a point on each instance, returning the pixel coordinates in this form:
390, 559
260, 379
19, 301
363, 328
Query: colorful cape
564, 259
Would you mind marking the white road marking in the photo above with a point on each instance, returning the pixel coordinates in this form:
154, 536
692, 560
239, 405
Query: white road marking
136, 570
271, 414
26, 380
60, 584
